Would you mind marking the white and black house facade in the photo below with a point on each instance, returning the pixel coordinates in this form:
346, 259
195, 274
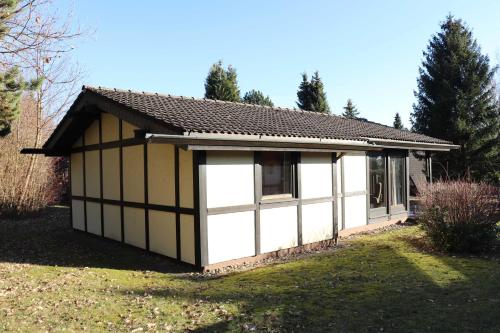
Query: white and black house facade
209, 182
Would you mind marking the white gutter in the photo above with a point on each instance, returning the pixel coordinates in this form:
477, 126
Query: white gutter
428, 145
257, 138
200, 138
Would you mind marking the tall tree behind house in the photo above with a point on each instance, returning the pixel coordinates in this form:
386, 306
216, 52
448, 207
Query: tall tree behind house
456, 101
222, 84
350, 110
311, 94
258, 98
397, 122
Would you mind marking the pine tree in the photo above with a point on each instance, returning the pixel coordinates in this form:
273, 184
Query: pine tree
222, 83
398, 124
350, 110
11, 89
258, 98
456, 101
11, 84
311, 95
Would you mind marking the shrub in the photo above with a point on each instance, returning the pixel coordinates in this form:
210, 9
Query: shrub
460, 216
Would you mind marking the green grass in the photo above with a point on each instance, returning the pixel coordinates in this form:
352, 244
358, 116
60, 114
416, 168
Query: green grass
53, 279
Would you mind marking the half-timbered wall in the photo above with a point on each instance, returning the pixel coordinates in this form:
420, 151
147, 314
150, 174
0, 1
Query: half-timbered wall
206, 207
239, 223
134, 192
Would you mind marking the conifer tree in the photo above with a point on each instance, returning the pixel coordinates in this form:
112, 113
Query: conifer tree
258, 98
398, 124
11, 89
456, 101
222, 83
350, 110
311, 94
11, 83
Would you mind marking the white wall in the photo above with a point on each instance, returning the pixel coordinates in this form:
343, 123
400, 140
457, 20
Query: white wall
230, 236
230, 180
354, 173
354, 181
278, 228
355, 211
316, 174
317, 222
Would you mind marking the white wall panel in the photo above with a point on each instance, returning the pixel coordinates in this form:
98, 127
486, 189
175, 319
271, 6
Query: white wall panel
78, 213
94, 218
135, 230
187, 239
230, 179
339, 213
186, 194
316, 174
354, 173
92, 174
77, 174
339, 175
355, 211
162, 235
133, 173
317, 222
161, 174
278, 228
112, 222
230, 236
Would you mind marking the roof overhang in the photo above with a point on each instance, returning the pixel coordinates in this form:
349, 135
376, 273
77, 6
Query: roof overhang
398, 144
209, 141
218, 141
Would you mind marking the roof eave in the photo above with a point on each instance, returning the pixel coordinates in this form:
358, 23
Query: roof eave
399, 144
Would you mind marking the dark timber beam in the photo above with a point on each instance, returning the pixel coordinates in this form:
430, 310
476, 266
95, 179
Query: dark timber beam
177, 204
334, 197
257, 171
146, 195
200, 204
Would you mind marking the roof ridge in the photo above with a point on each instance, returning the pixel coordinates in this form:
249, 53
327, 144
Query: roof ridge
278, 108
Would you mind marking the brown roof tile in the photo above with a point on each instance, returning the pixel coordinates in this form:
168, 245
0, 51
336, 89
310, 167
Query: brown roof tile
213, 116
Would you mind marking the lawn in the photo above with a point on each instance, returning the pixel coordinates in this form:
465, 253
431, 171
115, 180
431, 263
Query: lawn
53, 279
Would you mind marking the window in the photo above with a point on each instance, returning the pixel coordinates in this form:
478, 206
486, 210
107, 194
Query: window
398, 188
277, 174
377, 181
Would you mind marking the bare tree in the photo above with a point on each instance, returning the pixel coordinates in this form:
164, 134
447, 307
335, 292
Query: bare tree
40, 43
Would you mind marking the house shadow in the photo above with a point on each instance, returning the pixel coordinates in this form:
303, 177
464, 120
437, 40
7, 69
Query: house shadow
47, 238
364, 288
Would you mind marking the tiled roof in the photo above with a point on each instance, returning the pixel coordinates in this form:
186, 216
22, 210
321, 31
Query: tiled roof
212, 116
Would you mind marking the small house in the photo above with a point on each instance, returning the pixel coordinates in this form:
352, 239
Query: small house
209, 182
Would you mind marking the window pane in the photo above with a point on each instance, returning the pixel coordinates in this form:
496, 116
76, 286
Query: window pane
276, 173
398, 180
377, 181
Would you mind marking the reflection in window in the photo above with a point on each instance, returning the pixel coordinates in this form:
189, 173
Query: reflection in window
377, 181
276, 173
397, 173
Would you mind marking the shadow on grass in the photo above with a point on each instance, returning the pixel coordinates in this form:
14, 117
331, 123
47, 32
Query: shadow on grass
48, 239
378, 284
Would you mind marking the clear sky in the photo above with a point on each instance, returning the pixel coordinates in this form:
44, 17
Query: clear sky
369, 51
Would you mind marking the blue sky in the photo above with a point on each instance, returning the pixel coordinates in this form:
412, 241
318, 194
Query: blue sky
365, 50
